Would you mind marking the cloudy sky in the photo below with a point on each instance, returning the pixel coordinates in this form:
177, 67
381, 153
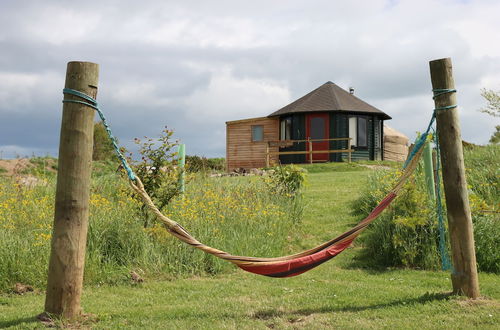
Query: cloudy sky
193, 65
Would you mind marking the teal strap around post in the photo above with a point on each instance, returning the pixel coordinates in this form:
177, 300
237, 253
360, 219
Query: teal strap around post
445, 259
442, 91
91, 102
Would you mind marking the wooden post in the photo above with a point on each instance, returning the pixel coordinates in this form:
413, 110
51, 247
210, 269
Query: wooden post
310, 150
69, 235
464, 277
267, 154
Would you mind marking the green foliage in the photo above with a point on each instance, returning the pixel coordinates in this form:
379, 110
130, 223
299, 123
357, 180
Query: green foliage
103, 147
196, 164
157, 170
487, 241
286, 180
406, 234
238, 215
492, 108
495, 138
41, 167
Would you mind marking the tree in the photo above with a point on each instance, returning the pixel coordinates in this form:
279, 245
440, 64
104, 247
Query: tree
492, 109
103, 147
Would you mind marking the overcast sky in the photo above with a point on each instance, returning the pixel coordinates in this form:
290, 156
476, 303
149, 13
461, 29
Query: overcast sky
193, 65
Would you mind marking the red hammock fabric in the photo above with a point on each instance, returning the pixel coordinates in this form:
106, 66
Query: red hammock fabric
301, 265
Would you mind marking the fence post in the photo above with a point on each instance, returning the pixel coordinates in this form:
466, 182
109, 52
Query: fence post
310, 150
69, 234
464, 277
267, 154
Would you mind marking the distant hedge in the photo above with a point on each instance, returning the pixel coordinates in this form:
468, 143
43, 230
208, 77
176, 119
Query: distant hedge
203, 164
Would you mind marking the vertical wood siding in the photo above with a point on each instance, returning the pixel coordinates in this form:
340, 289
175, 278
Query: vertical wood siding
241, 151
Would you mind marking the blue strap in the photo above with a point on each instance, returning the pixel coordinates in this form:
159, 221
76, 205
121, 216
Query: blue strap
442, 91
419, 144
91, 102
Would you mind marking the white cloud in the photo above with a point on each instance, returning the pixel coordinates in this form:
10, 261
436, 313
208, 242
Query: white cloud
230, 98
23, 92
195, 64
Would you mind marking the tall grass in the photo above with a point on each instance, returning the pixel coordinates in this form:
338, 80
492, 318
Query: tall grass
406, 234
238, 215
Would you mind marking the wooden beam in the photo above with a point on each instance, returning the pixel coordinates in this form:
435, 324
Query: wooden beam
307, 152
69, 235
464, 276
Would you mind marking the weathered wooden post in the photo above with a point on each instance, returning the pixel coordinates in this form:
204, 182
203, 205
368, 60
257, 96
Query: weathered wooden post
69, 235
267, 155
464, 276
310, 150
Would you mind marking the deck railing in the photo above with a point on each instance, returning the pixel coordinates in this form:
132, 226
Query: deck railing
310, 152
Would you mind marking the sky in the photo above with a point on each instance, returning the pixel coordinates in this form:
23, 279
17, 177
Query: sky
193, 65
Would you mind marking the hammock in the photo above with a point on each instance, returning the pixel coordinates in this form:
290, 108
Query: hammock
286, 266
291, 265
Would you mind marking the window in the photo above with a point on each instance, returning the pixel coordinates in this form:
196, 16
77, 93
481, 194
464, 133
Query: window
362, 132
353, 131
257, 133
358, 131
286, 128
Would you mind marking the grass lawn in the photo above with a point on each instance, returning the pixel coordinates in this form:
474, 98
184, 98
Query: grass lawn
337, 294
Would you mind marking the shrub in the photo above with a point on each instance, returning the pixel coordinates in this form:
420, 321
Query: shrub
196, 164
285, 180
103, 147
406, 233
157, 170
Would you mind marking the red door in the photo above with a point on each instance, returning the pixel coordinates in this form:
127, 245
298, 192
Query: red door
318, 128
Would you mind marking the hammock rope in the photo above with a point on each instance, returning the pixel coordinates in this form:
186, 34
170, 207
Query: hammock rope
285, 266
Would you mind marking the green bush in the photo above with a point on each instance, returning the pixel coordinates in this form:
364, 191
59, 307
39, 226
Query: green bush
103, 147
196, 164
406, 233
158, 171
285, 180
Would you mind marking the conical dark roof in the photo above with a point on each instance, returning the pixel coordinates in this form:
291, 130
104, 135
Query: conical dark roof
329, 97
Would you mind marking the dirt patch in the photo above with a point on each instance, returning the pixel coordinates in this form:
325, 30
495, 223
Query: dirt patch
482, 301
376, 167
14, 166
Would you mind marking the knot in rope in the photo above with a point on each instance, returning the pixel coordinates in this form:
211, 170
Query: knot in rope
91, 102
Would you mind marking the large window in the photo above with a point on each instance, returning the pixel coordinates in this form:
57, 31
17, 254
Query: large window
358, 131
257, 133
362, 132
353, 129
286, 128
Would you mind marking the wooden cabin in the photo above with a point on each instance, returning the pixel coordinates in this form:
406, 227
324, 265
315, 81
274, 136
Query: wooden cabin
328, 124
